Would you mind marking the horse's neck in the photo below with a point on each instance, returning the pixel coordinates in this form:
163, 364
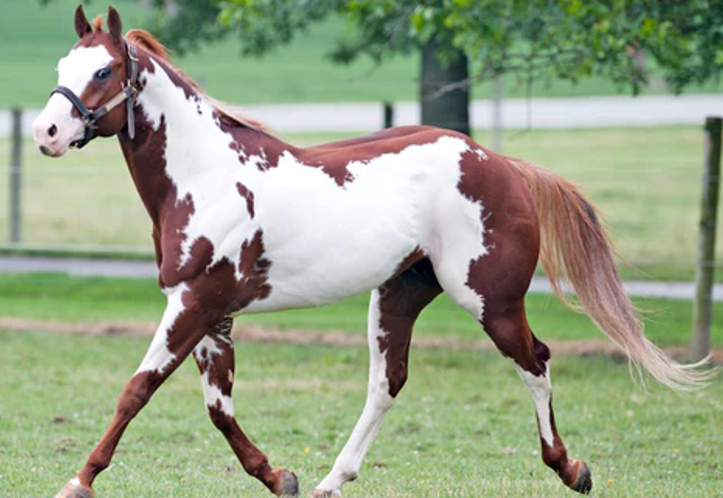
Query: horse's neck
181, 143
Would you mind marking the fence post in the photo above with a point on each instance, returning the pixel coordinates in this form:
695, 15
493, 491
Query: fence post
388, 114
702, 307
15, 176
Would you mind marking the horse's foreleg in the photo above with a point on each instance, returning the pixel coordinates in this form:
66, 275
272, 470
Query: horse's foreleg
393, 308
177, 335
214, 356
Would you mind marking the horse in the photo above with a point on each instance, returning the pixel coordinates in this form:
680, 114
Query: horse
245, 223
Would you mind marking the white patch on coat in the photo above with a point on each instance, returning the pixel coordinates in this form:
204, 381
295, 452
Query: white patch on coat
158, 356
213, 397
540, 388
324, 242
75, 71
378, 402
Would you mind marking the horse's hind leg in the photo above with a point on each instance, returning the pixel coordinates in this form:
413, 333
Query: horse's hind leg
506, 324
498, 304
392, 311
214, 356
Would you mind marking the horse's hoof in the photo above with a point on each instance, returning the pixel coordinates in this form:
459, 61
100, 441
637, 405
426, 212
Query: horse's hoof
74, 490
583, 481
320, 493
287, 484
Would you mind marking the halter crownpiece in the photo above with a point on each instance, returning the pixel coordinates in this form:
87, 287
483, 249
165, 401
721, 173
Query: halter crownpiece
127, 94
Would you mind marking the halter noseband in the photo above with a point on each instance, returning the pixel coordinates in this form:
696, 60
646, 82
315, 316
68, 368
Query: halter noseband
128, 93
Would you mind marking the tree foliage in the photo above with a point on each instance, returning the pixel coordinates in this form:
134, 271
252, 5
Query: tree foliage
536, 39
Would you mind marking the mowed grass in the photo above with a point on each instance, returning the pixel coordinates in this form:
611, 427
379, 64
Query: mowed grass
60, 298
647, 182
463, 426
33, 37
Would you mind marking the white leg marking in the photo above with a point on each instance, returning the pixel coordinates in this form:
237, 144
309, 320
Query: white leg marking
212, 395
346, 467
158, 356
541, 390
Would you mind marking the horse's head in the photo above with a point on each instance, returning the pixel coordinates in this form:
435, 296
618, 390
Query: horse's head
97, 76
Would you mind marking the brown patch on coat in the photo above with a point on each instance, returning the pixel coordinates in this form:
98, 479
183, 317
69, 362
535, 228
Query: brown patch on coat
409, 260
509, 221
333, 158
248, 196
249, 143
254, 268
401, 300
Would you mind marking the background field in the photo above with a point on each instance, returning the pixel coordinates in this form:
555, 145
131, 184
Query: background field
33, 38
463, 426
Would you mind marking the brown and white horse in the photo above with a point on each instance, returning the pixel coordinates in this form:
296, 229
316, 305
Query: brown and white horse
245, 223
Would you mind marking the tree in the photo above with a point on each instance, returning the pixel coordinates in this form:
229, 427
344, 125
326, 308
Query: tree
463, 41
536, 39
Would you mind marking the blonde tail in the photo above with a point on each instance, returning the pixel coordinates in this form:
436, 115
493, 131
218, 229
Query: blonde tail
575, 246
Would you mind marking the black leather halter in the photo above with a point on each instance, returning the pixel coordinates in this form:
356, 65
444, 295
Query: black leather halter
91, 116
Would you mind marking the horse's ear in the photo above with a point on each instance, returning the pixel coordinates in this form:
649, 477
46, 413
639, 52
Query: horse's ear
82, 26
114, 23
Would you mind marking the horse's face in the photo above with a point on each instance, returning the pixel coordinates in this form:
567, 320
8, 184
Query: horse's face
95, 72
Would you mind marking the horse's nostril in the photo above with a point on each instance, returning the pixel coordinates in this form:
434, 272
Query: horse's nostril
52, 131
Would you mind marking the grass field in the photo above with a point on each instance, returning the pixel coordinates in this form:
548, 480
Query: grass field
463, 426
646, 181
59, 298
33, 38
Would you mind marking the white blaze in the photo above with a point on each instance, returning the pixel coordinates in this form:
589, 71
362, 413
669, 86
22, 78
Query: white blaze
75, 72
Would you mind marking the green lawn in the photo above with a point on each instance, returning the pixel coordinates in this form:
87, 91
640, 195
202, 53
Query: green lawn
33, 38
54, 297
646, 181
463, 426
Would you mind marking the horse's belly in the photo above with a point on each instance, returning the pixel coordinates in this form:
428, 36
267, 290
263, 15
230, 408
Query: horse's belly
326, 266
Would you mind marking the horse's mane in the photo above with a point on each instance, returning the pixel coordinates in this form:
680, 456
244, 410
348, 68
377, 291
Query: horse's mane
226, 112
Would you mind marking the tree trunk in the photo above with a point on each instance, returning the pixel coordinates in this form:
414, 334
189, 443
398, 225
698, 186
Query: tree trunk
447, 109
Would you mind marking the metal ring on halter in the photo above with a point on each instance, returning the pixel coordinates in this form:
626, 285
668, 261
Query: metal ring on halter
90, 116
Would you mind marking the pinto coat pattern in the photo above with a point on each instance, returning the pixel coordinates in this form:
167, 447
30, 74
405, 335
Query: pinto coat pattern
245, 223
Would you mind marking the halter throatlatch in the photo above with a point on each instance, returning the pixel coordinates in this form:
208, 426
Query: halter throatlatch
91, 116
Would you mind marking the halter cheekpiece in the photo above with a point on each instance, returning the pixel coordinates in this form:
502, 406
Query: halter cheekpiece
127, 94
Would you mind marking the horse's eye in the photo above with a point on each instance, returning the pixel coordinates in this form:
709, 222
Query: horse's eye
102, 74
